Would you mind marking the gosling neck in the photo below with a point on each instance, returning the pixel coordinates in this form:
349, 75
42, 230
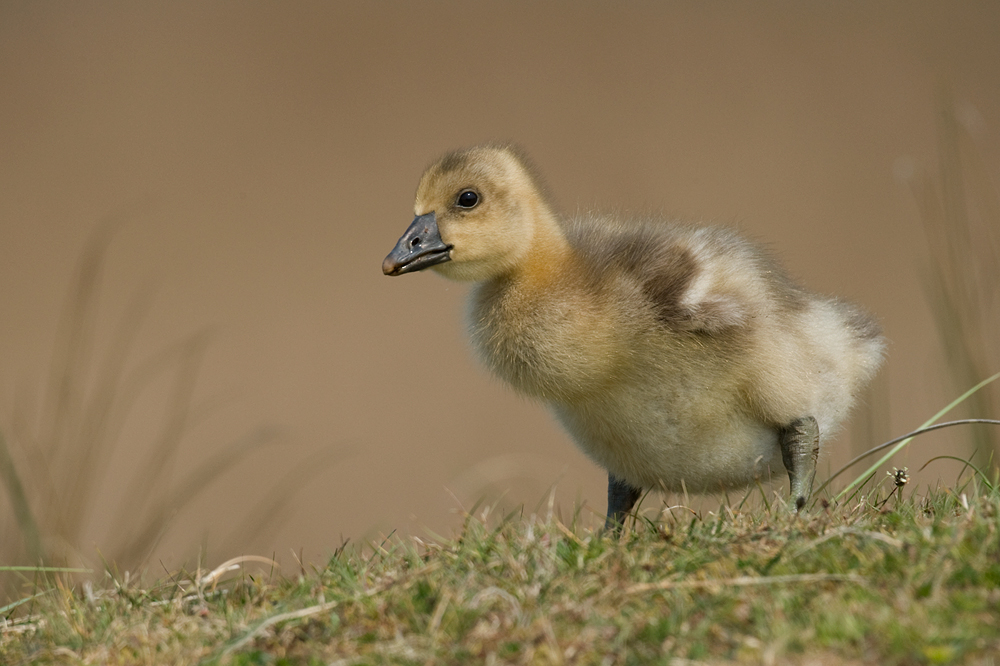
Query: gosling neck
548, 252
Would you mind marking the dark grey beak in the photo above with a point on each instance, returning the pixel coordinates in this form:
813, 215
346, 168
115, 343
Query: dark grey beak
420, 247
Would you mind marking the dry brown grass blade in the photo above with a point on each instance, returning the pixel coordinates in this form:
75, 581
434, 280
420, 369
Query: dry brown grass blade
274, 619
213, 577
744, 581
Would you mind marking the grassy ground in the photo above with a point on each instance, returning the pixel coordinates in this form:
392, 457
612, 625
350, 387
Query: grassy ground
873, 580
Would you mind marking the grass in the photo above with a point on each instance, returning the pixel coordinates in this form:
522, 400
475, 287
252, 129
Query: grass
879, 579
54, 456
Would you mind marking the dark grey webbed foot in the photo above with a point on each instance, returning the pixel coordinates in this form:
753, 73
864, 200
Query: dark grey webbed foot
621, 498
799, 450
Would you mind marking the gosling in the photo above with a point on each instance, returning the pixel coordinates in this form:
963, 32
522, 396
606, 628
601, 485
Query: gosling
678, 357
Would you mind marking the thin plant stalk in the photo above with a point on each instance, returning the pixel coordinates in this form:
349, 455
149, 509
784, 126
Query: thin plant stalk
894, 450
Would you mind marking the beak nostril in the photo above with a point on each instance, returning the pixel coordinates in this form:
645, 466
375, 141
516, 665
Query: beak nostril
418, 248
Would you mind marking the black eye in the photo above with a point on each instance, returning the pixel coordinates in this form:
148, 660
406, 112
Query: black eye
467, 199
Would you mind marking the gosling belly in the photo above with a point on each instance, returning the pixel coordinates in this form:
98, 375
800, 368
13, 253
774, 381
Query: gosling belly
654, 446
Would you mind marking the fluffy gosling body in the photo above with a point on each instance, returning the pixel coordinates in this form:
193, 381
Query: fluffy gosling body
676, 356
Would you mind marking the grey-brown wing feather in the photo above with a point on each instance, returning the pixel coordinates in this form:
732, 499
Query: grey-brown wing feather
665, 259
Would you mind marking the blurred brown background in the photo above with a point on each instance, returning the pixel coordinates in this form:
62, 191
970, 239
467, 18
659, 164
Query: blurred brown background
258, 159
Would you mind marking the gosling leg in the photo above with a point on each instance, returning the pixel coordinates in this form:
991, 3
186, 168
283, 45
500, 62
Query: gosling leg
621, 498
799, 451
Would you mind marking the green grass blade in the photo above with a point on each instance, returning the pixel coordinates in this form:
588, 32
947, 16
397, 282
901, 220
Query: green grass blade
985, 479
881, 461
11, 606
47, 569
895, 440
22, 507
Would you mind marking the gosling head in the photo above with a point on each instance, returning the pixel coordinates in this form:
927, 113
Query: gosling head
476, 216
